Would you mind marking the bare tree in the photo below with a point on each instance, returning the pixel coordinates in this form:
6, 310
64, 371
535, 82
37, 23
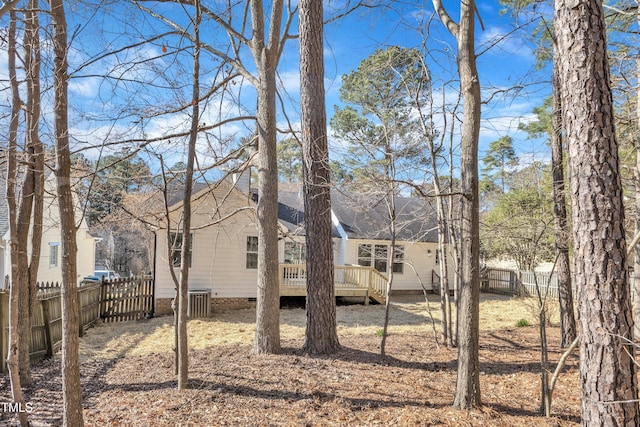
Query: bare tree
13, 356
561, 230
636, 252
266, 54
183, 289
607, 366
7, 7
31, 195
468, 382
71, 389
321, 336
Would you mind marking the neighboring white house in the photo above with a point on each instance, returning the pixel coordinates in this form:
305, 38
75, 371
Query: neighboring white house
49, 269
224, 253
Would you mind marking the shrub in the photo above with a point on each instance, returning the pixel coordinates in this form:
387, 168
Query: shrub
522, 323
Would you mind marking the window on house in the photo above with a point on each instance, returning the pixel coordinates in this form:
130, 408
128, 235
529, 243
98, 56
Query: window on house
176, 247
437, 256
53, 254
381, 253
398, 260
252, 252
295, 253
364, 255
377, 256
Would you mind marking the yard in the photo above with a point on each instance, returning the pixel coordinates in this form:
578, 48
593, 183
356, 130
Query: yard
128, 379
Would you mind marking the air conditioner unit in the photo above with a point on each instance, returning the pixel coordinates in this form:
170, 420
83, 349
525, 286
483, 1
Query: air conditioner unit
199, 303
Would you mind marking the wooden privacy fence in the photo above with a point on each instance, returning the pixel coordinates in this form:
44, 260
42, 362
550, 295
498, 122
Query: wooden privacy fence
113, 301
129, 298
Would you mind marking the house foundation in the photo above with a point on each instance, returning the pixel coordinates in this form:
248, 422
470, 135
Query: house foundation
163, 305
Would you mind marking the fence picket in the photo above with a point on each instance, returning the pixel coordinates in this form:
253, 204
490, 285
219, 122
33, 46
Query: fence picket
512, 282
115, 301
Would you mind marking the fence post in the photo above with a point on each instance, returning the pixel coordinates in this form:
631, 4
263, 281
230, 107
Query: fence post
103, 297
4, 317
47, 326
519, 287
80, 325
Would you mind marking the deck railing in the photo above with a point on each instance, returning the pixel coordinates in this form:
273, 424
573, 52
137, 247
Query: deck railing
293, 276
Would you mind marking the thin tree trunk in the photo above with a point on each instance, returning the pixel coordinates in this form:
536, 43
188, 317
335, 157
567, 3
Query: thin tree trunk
185, 258
321, 336
13, 356
607, 368
467, 393
71, 389
31, 206
267, 337
391, 204
636, 248
454, 246
565, 293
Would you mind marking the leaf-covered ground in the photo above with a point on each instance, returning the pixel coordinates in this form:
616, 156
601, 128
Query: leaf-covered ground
412, 386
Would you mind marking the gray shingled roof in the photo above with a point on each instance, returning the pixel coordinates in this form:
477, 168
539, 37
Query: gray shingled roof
291, 213
364, 218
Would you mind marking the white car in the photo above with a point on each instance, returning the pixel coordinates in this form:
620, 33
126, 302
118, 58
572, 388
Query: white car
106, 274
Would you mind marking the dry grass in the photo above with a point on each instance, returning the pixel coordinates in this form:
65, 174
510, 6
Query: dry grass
128, 378
408, 314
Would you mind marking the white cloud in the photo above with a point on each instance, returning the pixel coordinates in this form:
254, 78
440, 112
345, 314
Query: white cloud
499, 40
85, 87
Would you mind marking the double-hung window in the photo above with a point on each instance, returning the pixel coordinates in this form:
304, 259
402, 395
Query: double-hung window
53, 254
176, 249
398, 260
295, 253
252, 252
377, 256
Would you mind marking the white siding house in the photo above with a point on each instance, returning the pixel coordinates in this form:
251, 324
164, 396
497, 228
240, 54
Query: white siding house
49, 268
224, 252
224, 231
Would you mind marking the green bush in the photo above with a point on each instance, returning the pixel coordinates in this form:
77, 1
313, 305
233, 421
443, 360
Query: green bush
522, 323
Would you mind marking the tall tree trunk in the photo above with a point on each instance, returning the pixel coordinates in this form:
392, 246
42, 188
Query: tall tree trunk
467, 393
607, 369
185, 254
454, 220
390, 200
71, 389
267, 337
13, 356
636, 248
565, 293
321, 336
30, 211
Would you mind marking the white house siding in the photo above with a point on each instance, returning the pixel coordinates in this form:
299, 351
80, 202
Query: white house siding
416, 254
218, 251
51, 235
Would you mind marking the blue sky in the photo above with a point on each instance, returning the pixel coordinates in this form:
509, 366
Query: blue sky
95, 100
507, 61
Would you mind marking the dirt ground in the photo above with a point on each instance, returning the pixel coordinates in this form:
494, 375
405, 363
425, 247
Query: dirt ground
127, 373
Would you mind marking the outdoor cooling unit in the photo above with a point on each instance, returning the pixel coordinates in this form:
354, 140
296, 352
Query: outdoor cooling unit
199, 303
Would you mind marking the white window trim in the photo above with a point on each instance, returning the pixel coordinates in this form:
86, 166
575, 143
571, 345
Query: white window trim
245, 253
56, 262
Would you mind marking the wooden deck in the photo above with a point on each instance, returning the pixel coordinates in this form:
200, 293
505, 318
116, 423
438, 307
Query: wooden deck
350, 281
